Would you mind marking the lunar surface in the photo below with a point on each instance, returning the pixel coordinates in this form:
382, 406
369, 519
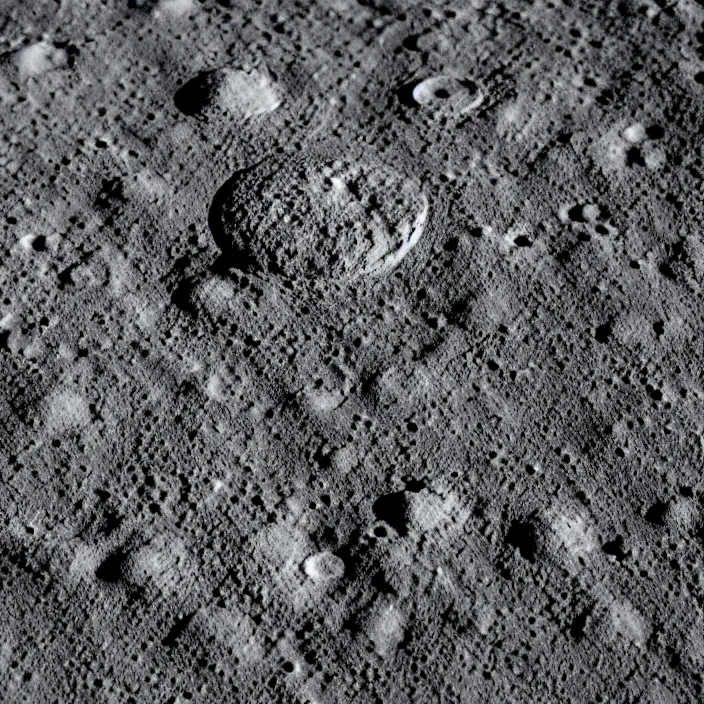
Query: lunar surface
352, 351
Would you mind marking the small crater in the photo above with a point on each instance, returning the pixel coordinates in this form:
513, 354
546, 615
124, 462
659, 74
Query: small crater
111, 193
579, 624
243, 94
604, 332
575, 214
380, 531
634, 157
655, 132
442, 93
415, 485
324, 567
39, 58
39, 243
393, 510
198, 93
522, 536
451, 244
411, 42
111, 569
666, 270
615, 548
656, 513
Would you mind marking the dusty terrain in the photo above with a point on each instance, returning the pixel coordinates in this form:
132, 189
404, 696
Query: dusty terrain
352, 351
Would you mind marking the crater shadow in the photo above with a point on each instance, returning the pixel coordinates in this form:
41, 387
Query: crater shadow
194, 96
233, 255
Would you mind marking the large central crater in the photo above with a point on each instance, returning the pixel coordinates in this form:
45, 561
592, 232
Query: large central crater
319, 216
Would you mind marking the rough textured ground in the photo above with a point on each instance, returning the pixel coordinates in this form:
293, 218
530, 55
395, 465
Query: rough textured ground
352, 351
